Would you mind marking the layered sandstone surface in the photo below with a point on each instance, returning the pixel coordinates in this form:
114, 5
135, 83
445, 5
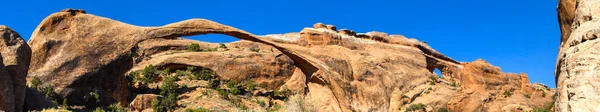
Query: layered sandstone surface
323, 69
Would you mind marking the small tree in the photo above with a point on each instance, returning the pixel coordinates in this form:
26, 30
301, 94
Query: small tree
35, 82
416, 107
150, 74
194, 47
221, 45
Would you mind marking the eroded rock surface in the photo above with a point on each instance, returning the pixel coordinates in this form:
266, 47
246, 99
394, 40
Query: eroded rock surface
15, 57
329, 70
576, 67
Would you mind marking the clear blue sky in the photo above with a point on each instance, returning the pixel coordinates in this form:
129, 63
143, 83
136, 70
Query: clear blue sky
516, 35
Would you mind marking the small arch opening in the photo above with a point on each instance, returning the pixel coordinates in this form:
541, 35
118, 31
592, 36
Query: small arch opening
438, 72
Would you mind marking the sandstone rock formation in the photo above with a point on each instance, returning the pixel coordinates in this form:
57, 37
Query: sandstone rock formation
328, 70
15, 57
486, 88
576, 67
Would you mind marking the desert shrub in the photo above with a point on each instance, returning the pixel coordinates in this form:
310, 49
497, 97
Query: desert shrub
431, 83
166, 71
35, 82
297, 103
234, 91
231, 84
527, 96
150, 74
507, 93
92, 97
180, 73
194, 47
98, 109
214, 84
237, 47
544, 94
261, 103
206, 74
429, 88
197, 110
237, 102
223, 93
254, 49
283, 92
274, 108
454, 84
157, 107
250, 85
116, 107
221, 45
433, 78
416, 107
168, 85
547, 108
65, 104
167, 88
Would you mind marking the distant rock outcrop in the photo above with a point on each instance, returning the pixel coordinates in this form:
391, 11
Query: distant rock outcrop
577, 68
486, 88
14, 63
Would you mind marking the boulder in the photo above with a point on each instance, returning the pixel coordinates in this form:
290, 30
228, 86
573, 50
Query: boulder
15, 55
36, 101
576, 71
347, 32
331, 27
143, 102
319, 25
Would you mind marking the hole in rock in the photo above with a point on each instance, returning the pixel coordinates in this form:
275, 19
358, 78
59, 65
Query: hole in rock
437, 72
213, 38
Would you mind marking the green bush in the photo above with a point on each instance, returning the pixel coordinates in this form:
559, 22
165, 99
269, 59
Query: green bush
237, 47
157, 107
254, 49
214, 84
168, 85
221, 45
197, 110
283, 92
431, 83
99, 110
231, 84
167, 88
261, 103
92, 97
116, 107
544, 94
206, 74
416, 107
507, 93
35, 82
433, 78
223, 93
527, 96
250, 85
274, 108
454, 84
194, 47
150, 74
234, 91
65, 104
547, 108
